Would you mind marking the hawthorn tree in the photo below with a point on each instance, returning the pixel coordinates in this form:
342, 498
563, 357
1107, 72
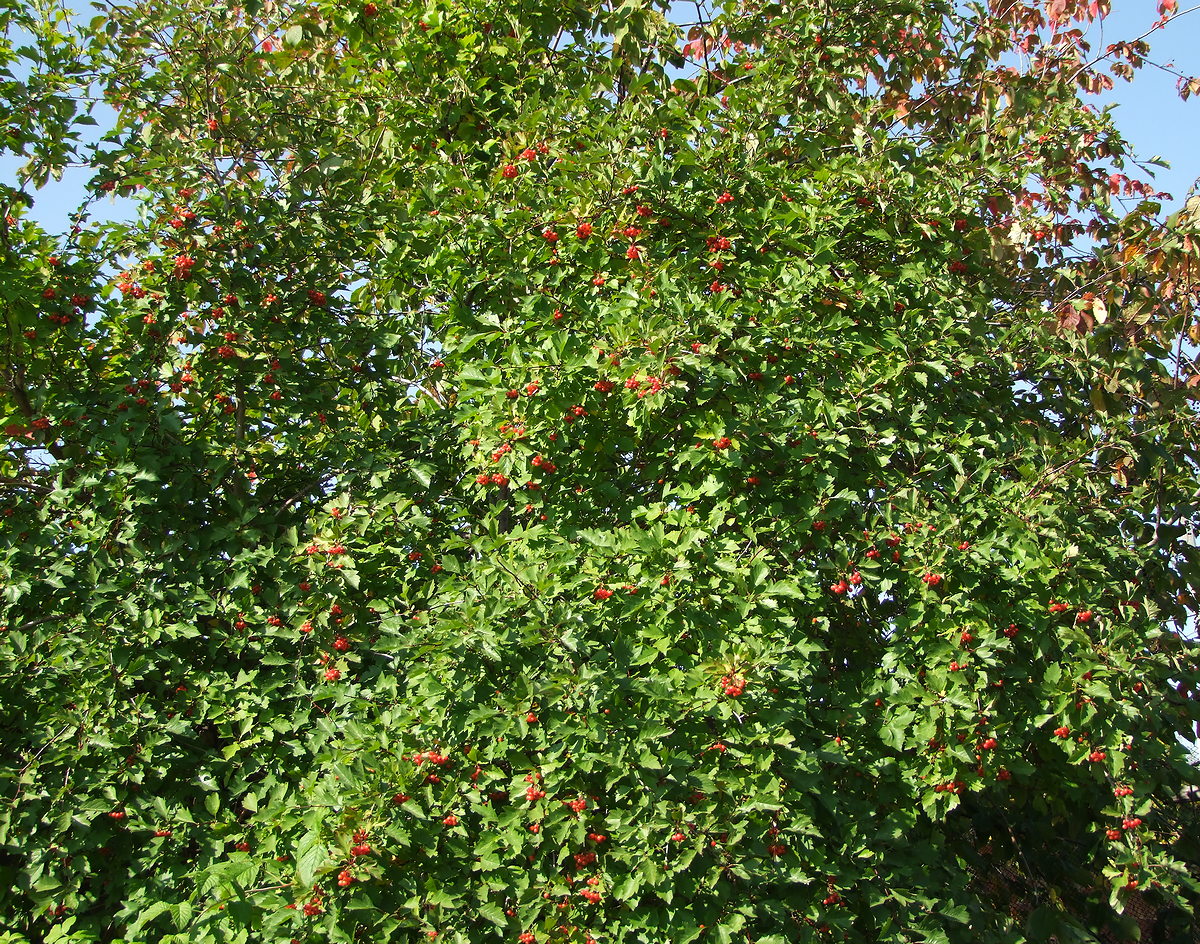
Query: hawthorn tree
593, 472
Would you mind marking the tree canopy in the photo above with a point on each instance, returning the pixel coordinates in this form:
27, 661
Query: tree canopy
593, 472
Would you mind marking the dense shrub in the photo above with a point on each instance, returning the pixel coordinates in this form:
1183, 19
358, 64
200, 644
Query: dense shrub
539, 472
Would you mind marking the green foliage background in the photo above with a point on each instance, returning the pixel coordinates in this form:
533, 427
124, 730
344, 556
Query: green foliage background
747, 554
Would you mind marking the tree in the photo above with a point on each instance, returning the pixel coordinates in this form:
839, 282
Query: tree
552, 472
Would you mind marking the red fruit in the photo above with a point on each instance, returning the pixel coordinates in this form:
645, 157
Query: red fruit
332, 675
1096, 756
583, 230
162, 833
678, 837
527, 937
116, 814
1063, 732
989, 744
345, 878
509, 172
1131, 823
242, 847
531, 718
777, 850
1113, 834
450, 820
341, 644
602, 593
1085, 616
370, 10
361, 849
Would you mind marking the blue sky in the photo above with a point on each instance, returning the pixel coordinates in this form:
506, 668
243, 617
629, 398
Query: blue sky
1149, 112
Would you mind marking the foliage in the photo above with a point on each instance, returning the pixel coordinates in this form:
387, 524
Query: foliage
545, 471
